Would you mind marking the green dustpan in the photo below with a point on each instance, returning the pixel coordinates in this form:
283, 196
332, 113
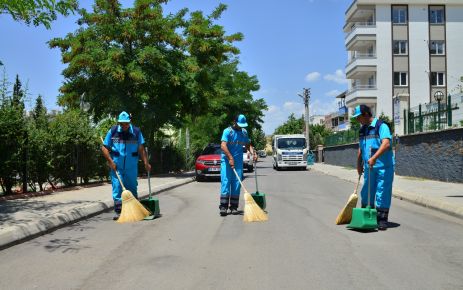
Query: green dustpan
259, 197
364, 218
151, 203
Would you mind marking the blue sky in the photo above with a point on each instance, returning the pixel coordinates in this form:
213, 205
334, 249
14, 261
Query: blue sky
288, 45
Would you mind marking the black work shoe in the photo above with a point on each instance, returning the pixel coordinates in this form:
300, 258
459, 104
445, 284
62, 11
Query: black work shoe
234, 211
382, 225
223, 211
116, 216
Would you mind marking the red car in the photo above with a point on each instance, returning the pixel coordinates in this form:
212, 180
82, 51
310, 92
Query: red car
208, 163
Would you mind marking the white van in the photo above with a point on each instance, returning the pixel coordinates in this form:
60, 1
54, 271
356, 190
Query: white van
289, 151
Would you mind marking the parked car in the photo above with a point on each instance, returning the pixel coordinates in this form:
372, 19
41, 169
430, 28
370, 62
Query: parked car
208, 163
248, 162
262, 153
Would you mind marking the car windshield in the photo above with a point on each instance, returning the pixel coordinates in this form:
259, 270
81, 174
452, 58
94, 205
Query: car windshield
291, 143
211, 150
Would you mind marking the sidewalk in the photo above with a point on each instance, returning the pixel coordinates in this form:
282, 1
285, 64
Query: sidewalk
443, 196
22, 219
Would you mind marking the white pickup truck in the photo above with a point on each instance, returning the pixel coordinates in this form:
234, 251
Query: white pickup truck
289, 151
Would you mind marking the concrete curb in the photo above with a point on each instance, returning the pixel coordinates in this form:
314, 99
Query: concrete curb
429, 202
17, 234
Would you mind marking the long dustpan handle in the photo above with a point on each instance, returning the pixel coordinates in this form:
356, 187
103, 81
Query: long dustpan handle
255, 176
149, 178
369, 180
242, 185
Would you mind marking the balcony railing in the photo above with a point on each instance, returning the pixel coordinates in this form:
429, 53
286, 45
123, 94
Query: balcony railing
355, 25
361, 88
361, 56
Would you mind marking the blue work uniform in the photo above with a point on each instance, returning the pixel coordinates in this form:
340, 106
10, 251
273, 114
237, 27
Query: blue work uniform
230, 186
123, 148
382, 173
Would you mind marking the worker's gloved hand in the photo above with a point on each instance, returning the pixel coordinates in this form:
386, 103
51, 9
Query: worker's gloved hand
254, 157
231, 162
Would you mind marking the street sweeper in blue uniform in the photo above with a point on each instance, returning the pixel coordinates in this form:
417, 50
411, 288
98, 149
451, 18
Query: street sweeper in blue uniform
375, 156
232, 142
122, 147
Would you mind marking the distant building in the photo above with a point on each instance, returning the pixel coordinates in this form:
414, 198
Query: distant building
339, 120
317, 120
402, 54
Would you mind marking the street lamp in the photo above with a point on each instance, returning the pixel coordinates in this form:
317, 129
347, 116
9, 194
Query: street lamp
438, 96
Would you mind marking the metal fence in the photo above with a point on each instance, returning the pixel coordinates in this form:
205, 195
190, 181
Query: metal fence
433, 116
342, 137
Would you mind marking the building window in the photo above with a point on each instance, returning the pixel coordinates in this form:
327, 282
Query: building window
399, 15
437, 47
400, 79
438, 79
436, 15
400, 47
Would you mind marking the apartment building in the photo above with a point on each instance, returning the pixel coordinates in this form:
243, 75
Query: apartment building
403, 53
317, 120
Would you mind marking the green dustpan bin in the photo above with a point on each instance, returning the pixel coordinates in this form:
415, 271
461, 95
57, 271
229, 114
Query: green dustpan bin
151, 204
259, 197
363, 219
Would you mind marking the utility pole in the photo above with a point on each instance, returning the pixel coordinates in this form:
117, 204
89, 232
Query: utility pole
306, 97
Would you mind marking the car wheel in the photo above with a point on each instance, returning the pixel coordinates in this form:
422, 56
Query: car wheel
199, 178
250, 168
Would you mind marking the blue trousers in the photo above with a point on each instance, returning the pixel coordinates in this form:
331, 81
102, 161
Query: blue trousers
230, 186
129, 178
380, 187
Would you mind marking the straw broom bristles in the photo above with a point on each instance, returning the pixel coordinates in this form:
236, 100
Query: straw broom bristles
345, 216
132, 209
252, 211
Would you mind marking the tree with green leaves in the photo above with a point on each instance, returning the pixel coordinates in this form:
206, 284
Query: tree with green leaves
258, 139
37, 12
292, 126
161, 68
74, 146
39, 146
12, 133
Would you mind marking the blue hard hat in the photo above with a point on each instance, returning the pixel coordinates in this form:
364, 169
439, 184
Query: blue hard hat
357, 112
241, 121
360, 110
124, 117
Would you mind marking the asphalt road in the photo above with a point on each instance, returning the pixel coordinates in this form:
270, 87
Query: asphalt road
192, 247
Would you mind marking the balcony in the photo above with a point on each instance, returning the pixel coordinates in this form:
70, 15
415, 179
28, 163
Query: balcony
361, 88
360, 31
361, 59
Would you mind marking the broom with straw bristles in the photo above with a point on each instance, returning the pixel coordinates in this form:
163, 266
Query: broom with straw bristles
132, 210
252, 211
345, 215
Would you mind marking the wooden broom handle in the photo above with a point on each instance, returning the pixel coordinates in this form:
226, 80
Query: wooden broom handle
358, 182
236, 173
117, 174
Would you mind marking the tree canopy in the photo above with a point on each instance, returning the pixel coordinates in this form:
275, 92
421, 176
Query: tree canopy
37, 12
164, 69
